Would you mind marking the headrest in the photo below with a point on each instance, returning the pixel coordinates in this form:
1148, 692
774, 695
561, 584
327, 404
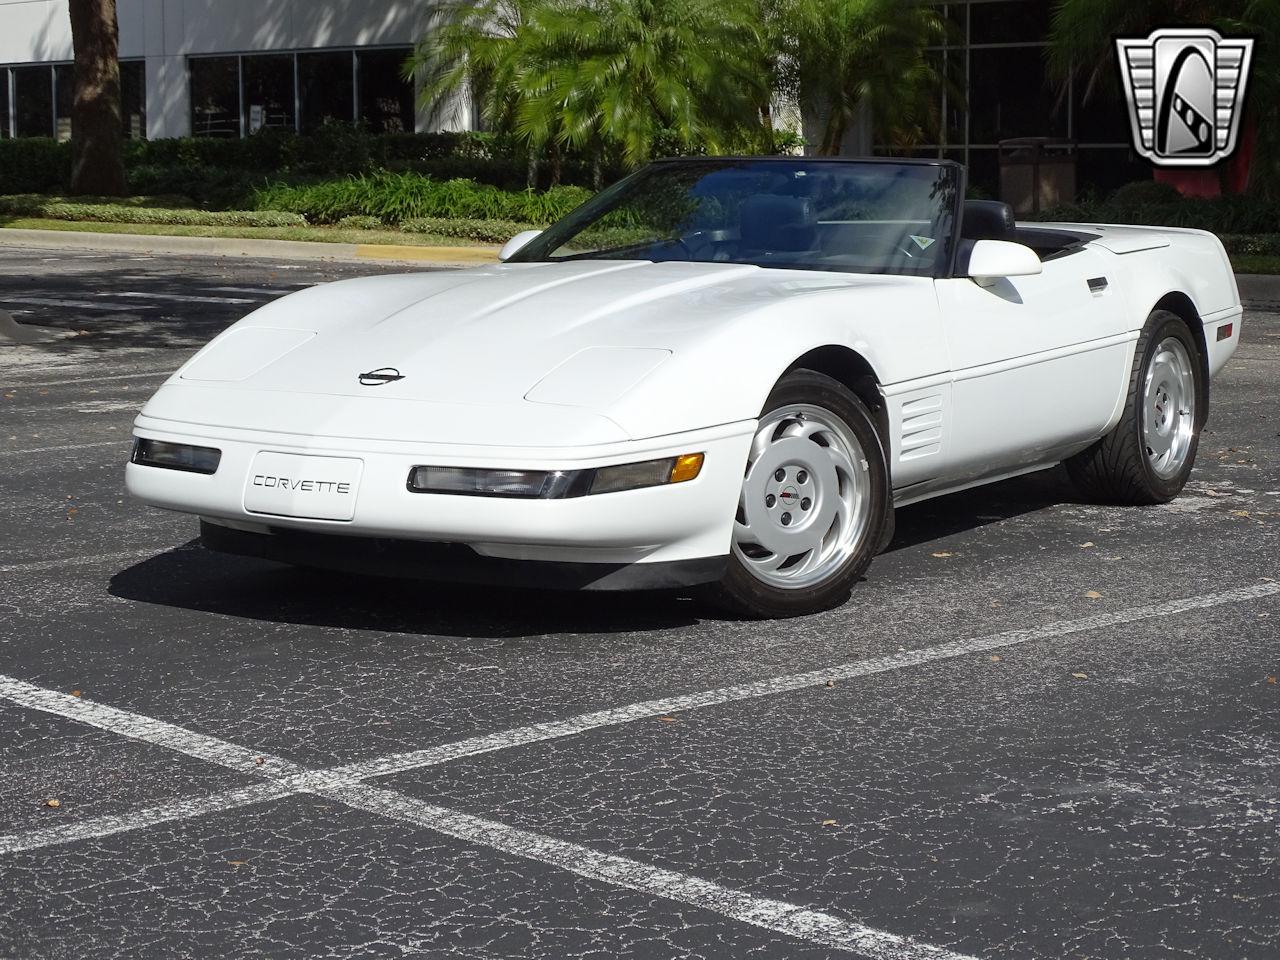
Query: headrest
987, 220
771, 221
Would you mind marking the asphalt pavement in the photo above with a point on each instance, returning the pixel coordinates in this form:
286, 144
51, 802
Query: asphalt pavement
1040, 729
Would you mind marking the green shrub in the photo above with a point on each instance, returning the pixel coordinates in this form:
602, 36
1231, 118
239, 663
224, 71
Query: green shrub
1142, 192
34, 165
361, 223
1223, 215
482, 231
1257, 245
397, 197
112, 212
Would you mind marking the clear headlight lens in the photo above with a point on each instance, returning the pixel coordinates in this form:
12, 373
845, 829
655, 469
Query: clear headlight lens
175, 456
554, 484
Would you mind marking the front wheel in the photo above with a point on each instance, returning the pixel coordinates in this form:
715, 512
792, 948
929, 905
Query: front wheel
813, 505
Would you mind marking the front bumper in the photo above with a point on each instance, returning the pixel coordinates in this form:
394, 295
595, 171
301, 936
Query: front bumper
690, 521
453, 562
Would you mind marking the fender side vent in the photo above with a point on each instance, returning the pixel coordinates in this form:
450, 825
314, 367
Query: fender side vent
921, 427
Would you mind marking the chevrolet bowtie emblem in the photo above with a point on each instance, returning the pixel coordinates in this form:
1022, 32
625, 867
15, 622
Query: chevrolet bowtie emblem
1185, 88
380, 377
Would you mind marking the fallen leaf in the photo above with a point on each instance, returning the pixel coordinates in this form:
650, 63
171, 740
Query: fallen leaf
1081, 676
668, 719
1087, 545
53, 802
1093, 595
260, 760
238, 863
75, 693
1271, 679
995, 658
828, 823
941, 554
831, 683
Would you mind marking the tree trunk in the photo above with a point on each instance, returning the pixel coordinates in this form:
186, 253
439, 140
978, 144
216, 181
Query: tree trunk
97, 135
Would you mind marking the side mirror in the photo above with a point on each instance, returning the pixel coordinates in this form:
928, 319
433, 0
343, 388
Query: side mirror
512, 246
992, 260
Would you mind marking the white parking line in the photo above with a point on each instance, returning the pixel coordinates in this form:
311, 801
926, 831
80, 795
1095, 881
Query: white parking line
794, 921
537, 733
95, 827
541, 732
812, 926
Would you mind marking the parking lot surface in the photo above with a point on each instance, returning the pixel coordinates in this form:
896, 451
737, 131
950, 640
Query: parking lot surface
1040, 728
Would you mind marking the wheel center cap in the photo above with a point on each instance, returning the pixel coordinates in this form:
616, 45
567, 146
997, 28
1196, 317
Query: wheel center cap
789, 496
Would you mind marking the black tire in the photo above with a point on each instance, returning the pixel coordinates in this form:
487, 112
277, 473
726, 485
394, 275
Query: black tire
1117, 468
740, 593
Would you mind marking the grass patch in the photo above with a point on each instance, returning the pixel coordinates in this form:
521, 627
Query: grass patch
309, 234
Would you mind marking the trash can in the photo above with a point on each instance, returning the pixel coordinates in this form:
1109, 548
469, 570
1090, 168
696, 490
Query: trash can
1037, 173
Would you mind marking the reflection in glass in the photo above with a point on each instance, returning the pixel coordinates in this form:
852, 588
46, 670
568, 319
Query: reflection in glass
268, 92
386, 98
327, 94
33, 101
215, 97
848, 216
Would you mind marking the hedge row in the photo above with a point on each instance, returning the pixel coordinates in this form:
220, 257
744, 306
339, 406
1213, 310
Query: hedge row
1224, 215
396, 197
1255, 245
481, 231
55, 208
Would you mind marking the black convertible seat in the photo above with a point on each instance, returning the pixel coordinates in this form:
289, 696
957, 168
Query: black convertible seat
773, 222
988, 220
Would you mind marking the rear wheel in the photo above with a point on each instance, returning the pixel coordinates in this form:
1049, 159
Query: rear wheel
812, 510
1148, 457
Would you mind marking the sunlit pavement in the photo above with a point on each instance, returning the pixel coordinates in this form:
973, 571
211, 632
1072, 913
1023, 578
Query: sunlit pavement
1041, 729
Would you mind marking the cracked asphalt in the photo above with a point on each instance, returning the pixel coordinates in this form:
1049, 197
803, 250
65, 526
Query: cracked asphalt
1040, 729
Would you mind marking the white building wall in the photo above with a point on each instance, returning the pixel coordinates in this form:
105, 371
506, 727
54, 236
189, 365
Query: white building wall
166, 32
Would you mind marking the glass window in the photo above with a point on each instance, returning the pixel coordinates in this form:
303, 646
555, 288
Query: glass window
326, 82
386, 98
1002, 108
215, 96
4, 103
133, 98
1011, 21
33, 96
848, 216
268, 92
65, 80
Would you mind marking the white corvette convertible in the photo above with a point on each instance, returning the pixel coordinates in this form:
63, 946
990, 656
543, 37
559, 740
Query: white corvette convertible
722, 372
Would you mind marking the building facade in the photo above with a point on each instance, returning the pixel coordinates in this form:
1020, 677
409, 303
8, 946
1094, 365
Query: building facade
1001, 90
227, 68
222, 68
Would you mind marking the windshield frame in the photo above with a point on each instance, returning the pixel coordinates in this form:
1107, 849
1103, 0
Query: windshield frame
538, 249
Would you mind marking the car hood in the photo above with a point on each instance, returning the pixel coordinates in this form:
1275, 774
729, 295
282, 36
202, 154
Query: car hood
579, 334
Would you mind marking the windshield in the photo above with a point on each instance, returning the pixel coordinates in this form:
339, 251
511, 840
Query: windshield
851, 216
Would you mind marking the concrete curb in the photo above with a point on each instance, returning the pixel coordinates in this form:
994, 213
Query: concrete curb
144, 245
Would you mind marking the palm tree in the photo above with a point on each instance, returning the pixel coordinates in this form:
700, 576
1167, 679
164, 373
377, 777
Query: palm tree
601, 75
845, 56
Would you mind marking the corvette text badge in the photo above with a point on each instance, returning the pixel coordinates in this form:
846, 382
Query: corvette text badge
1186, 89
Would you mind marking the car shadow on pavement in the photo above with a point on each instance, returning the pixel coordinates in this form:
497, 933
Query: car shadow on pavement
972, 509
195, 579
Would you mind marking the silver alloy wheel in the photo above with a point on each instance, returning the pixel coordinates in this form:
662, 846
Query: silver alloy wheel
806, 498
1169, 408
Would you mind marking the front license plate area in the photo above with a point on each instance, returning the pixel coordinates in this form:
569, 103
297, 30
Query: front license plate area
306, 487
